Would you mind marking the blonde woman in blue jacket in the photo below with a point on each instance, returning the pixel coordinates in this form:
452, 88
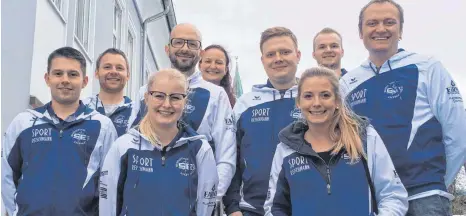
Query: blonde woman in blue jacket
333, 162
161, 167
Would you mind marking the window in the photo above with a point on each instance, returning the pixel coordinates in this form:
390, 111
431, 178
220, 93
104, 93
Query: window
82, 25
129, 55
146, 75
58, 4
117, 14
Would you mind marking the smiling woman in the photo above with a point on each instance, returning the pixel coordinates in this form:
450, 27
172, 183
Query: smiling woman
161, 140
332, 139
215, 68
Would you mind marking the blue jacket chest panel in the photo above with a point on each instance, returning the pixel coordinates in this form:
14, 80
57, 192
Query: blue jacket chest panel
196, 107
259, 126
172, 184
119, 118
56, 164
309, 193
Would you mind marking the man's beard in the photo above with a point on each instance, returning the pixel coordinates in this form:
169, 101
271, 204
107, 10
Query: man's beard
109, 89
183, 66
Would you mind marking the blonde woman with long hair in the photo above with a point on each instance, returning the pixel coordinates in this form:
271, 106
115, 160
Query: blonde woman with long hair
162, 166
333, 162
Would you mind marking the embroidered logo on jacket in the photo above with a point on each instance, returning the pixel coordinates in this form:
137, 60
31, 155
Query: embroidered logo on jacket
347, 158
187, 168
353, 80
79, 136
298, 164
393, 90
230, 121
120, 121
189, 108
358, 97
295, 113
41, 135
210, 196
142, 164
454, 93
260, 115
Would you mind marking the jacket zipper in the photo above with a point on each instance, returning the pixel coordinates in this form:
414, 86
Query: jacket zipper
164, 151
327, 175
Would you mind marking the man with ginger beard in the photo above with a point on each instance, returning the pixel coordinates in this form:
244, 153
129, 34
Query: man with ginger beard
208, 110
112, 70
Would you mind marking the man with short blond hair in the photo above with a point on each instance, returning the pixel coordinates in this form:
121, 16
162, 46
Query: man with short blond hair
269, 107
328, 50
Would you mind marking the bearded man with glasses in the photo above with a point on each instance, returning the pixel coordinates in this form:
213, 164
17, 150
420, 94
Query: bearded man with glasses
208, 109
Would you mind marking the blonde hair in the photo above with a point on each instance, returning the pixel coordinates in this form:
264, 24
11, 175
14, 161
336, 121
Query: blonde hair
326, 30
145, 126
347, 129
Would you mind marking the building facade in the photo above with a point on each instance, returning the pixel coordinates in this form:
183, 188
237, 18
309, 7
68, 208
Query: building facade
32, 30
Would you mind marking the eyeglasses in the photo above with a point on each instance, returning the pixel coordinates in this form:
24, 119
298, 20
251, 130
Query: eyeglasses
179, 43
174, 98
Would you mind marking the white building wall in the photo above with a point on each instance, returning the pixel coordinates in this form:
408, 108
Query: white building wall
49, 35
55, 29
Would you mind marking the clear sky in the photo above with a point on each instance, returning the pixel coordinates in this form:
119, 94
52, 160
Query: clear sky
432, 27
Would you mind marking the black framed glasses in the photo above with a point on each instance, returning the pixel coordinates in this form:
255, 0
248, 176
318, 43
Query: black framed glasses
179, 43
174, 98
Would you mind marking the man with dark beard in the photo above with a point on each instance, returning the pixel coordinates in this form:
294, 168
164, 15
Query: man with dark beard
208, 110
112, 70
328, 50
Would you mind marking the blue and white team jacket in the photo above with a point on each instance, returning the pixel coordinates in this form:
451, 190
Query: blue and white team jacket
301, 183
209, 113
418, 111
259, 116
139, 178
119, 117
51, 166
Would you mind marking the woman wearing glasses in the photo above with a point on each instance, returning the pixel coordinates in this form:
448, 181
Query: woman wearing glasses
215, 68
161, 167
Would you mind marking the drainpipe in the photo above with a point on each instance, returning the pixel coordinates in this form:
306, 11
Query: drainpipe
144, 31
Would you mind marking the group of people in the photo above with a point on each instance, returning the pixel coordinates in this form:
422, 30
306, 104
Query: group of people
382, 139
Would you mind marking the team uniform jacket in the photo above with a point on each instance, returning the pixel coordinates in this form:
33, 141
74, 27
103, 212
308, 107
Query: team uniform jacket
415, 106
141, 179
51, 166
119, 117
259, 115
301, 183
209, 113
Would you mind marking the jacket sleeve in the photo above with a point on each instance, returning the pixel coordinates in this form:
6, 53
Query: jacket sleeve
223, 135
12, 160
344, 90
232, 197
447, 105
391, 195
278, 197
208, 181
112, 179
110, 136
136, 108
